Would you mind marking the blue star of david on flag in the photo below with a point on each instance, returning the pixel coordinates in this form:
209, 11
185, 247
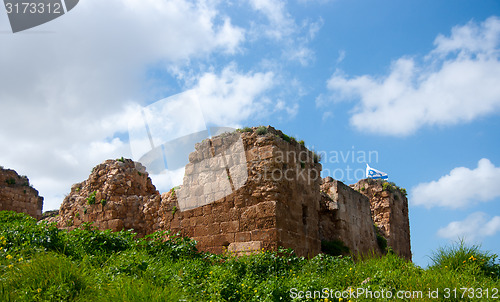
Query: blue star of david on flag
375, 174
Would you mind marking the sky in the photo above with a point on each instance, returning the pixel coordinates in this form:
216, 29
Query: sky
411, 87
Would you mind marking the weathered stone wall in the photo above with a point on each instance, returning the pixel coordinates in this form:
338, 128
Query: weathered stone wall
390, 213
115, 196
272, 201
346, 216
17, 195
242, 192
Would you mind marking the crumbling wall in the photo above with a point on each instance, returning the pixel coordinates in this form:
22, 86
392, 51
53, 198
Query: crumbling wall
17, 195
241, 192
273, 202
345, 215
389, 207
116, 196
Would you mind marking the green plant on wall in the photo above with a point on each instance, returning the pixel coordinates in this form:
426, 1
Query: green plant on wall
103, 202
246, 129
316, 157
262, 130
121, 159
334, 247
381, 241
91, 198
10, 181
174, 210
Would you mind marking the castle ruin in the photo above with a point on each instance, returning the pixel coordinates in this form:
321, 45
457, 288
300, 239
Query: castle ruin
245, 191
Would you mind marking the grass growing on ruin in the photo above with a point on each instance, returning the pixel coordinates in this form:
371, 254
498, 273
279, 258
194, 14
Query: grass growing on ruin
38, 262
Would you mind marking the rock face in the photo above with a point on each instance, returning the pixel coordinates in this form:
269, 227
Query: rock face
242, 192
389, 207
17, 195
115, 196
346, 216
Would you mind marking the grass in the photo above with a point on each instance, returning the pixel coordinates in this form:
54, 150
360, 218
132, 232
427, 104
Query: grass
39, 262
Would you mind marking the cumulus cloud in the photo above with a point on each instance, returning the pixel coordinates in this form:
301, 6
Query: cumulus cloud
462, 187
231, 97
475, 227
282, 28
455, 83
68, 87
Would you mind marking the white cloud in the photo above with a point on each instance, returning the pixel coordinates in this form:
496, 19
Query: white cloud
462, 187
456, 83
280, 21
475, 227
282, 28
68, 87
231, 97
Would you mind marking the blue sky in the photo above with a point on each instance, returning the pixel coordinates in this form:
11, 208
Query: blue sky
414, 81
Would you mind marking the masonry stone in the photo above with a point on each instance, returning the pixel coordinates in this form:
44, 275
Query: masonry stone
242, 192
16, 194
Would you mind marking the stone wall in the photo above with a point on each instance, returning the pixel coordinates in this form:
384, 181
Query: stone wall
271, 201
390, 213
116, 196
17, 195
346, 216
243, 191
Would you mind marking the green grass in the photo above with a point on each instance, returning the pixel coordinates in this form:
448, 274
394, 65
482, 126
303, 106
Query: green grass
39, 262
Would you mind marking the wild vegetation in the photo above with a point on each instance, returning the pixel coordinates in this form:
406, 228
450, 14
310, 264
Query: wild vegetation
39, 262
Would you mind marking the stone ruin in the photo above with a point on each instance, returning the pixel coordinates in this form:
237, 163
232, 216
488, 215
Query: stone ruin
245, 191
16, 194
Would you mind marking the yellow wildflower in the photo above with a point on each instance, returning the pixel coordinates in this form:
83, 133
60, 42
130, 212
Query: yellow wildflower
10, 266
39, 290
9, 257
255, 291
20, 259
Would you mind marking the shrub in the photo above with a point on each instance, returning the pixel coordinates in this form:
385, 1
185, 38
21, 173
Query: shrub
246, 129
461, 256
262, 130
172, 246
334, 248
121, 159
10, 181
103, 202
302, 143
381, 240
317, 157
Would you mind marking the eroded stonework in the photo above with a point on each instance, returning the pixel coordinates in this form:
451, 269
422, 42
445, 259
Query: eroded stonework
16, 194
243, 191
390, 213
116, 196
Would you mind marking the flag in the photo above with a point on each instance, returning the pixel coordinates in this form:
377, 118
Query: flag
374, 173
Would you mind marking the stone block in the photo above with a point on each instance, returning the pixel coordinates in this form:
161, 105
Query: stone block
230, 226
115, 224
243, 248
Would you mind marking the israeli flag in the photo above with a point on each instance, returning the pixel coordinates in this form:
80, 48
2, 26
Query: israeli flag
375, 174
